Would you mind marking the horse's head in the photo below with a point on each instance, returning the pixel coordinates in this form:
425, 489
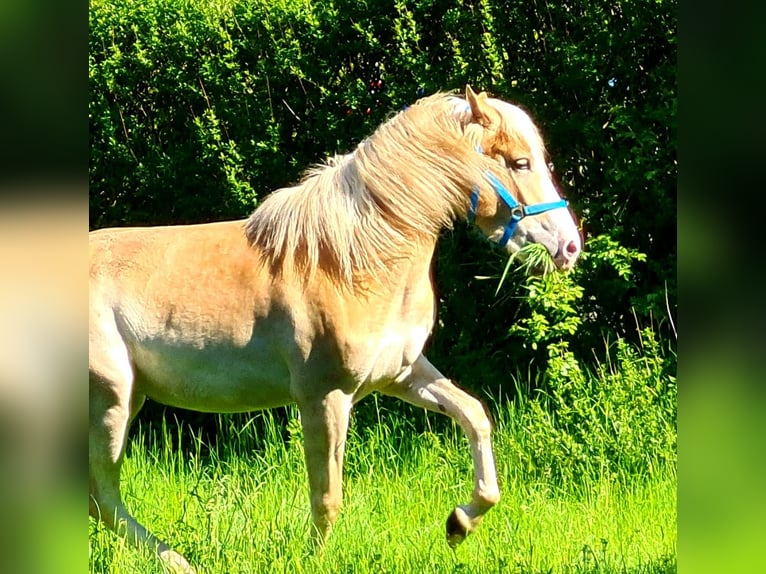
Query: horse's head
516, 201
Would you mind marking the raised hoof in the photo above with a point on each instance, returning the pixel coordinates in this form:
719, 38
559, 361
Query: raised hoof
457, 528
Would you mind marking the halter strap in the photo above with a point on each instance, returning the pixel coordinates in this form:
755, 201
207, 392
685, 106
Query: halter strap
518, 211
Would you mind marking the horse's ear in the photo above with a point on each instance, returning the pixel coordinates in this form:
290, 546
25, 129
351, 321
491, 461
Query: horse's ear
483, 113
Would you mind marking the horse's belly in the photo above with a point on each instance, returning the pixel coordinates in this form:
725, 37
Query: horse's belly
216, 379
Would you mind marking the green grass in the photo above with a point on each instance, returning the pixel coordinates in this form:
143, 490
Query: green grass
242, 507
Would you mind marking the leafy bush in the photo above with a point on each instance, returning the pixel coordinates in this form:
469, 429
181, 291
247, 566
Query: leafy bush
616, 421
555, 309
606, 414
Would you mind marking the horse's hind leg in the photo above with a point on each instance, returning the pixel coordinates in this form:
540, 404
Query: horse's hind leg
112, 407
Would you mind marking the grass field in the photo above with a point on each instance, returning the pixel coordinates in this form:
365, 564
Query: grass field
241, 506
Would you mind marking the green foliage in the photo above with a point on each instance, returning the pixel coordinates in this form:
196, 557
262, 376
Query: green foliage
552, 314
615, 422
604, 251
609, 271
555, 309
614, 418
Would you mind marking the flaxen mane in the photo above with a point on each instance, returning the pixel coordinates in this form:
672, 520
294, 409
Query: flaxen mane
403, 184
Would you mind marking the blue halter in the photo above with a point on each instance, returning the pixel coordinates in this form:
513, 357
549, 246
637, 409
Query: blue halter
518, 211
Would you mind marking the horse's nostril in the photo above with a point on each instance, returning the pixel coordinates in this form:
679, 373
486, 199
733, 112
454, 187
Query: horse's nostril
568, 252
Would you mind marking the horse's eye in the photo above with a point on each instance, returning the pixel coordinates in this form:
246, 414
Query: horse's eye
521, 163
551, 167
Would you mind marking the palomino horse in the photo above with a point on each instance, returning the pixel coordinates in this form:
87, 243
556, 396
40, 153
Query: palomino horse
320, 297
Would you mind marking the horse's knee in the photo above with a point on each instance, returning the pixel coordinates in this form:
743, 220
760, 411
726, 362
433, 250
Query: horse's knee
476, 414
110, 511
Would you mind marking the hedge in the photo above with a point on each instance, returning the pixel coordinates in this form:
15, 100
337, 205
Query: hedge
198, 109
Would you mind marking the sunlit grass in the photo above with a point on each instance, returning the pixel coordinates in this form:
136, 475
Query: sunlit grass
240, 509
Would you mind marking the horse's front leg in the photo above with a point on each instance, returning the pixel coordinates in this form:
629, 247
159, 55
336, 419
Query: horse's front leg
428, 388
325, 426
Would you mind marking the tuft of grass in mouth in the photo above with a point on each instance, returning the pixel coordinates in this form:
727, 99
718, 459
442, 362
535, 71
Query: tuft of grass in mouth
532, 259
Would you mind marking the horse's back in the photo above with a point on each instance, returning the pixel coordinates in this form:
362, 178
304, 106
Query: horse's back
149, 270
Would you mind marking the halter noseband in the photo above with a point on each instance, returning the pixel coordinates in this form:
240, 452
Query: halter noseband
518, 210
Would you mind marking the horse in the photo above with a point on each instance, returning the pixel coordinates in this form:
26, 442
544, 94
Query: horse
321, 297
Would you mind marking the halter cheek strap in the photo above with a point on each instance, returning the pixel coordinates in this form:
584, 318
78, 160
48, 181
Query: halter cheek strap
518, 211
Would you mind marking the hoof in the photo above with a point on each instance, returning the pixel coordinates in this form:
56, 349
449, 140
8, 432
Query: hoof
175, 563
457, 527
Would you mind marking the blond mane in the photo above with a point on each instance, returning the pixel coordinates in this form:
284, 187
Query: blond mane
355, 213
